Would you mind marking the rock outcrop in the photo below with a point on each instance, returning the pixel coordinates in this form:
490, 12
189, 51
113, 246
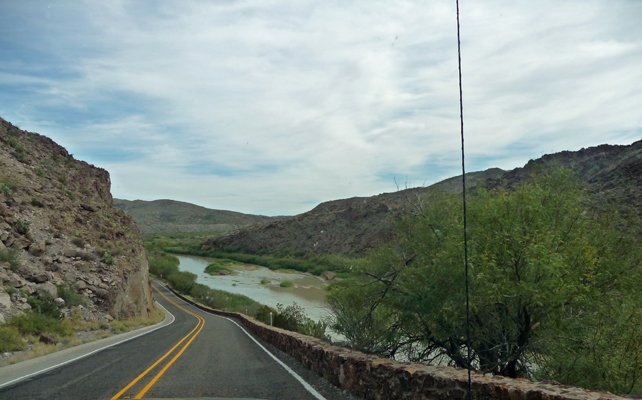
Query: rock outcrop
59, 228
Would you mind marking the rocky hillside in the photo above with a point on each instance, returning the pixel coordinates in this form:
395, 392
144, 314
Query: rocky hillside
169, 216
59, 228
349, 226
613, 173
353, 226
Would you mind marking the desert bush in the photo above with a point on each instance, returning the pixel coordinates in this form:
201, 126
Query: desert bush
70, 296
45, 306
35, 323
36, 203
5, 189
286, 284
10, 256
22, 226
10, 339
108, 259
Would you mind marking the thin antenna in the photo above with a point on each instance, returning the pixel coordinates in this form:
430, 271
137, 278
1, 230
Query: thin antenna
463, 179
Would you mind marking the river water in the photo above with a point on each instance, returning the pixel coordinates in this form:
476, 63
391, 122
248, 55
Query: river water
308, 290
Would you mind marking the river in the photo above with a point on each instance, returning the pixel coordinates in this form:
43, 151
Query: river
308, 290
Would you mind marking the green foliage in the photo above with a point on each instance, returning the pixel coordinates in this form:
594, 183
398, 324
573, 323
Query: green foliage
10, 256
12, 183
37, 203
22, 158
35, 323
39, 172
294, 318
217, 266
264, 281
70, 296
163, 264
5, 189
286, 284
45, 306
10, 339
22, 226
108, 259
542, 266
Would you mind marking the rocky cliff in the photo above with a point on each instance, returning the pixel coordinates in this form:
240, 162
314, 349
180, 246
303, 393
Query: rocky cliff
59, 229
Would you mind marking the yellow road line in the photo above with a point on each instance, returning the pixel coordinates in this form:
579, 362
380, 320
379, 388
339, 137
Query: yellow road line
201, 323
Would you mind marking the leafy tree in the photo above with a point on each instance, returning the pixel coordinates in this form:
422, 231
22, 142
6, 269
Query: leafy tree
541, 264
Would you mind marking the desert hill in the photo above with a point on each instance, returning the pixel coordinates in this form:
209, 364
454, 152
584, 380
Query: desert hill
169, 216
349, 226
354, 226
59, 226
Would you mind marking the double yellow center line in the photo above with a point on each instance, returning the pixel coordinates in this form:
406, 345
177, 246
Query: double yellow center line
197, 329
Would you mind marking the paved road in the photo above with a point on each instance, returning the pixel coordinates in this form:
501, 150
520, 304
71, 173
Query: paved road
199, 355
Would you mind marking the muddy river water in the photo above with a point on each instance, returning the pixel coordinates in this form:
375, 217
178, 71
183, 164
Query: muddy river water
308, 290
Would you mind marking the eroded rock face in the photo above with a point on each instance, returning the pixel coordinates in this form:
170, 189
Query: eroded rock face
59, 227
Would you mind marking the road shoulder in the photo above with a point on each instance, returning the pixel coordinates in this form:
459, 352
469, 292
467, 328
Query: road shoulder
14, 373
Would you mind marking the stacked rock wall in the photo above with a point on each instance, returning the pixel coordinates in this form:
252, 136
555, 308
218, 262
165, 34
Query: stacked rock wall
371, 377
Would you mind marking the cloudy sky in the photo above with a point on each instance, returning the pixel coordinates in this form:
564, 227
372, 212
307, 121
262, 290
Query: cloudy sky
272, 106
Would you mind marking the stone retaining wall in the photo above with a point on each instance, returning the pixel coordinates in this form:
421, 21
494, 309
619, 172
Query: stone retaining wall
371, 377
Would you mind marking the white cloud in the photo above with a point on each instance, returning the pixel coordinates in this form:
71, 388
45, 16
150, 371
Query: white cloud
281, 104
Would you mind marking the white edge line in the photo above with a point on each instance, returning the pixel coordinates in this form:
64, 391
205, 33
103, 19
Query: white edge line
305, 384
90, 353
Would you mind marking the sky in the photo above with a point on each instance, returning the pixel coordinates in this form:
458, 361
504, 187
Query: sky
273, 106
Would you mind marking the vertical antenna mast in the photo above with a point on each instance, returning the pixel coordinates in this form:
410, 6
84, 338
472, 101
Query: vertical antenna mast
463, 178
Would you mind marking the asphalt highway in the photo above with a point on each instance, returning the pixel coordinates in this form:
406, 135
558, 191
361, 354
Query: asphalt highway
200, 355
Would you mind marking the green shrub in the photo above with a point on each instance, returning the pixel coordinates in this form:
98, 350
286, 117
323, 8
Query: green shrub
108, 259
10, 256
22, 226
37, 203
264, 281
5, 189
45, 306
35, 323
39, 172
286, 284
10, 339
216, 268
69, 295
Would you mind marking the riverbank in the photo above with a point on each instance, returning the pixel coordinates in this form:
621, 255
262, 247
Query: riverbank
308, 291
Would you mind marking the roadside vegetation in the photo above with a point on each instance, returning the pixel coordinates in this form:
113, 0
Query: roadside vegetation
165, 267
44, 329
554, 287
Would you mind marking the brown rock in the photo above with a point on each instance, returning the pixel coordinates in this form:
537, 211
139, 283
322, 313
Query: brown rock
37, 248
41, 277
21, 243
88, 207
47, 290
80, 285
102, 293
48, 339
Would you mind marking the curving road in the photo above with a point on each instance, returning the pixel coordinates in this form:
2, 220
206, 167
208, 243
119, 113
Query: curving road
200, 355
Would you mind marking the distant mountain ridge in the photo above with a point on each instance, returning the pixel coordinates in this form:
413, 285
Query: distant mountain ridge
348, 226
170, 216
357, 225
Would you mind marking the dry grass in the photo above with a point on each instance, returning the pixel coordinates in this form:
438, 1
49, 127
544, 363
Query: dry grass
100, 330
